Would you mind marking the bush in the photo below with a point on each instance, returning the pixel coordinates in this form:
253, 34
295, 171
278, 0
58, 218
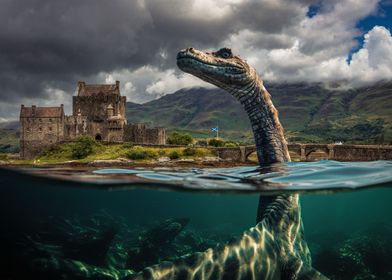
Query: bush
230, 144
176, 138
128, 145
189, 152
174, 155
83, 147
138, 153
3, 157
216, 142
202, 143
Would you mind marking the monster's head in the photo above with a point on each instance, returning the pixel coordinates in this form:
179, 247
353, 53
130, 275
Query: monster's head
220, 68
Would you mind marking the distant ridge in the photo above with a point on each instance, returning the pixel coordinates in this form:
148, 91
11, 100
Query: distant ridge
310, 112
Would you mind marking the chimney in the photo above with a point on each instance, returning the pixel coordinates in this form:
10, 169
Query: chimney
22, 106
81, 85
33, 108
117, 84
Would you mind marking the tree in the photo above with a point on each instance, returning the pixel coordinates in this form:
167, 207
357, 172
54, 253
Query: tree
216, 142
83, 147
177, 138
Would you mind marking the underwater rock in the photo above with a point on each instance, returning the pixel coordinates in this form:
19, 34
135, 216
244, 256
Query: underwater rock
153, 241
53, 268
99, 247
91, 248
363, 255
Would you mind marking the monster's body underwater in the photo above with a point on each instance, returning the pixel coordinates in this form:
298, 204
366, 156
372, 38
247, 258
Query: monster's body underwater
275, 248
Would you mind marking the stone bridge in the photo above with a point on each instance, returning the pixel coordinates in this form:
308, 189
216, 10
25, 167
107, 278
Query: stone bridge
332, 152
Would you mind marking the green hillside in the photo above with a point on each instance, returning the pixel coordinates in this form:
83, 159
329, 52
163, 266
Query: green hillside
9, 141
309, 112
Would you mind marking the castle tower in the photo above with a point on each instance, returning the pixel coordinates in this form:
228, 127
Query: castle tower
40, 127
99, 104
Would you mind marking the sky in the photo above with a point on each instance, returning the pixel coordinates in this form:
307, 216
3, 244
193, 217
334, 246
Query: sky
46, 46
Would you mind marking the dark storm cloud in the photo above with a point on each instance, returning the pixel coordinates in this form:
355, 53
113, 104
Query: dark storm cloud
54, 43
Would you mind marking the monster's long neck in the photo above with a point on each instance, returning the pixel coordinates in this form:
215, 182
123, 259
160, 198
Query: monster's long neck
268, 132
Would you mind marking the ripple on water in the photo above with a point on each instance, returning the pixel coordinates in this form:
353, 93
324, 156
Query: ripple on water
278, 178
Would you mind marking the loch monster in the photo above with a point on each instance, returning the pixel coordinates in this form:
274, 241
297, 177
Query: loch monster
275, 248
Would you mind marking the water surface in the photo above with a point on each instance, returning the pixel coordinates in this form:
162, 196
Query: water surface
46, 213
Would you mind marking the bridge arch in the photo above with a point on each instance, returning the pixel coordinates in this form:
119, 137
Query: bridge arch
316, 154
249, 151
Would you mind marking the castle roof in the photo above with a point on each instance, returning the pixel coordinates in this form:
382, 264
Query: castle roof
90, 90
41, 112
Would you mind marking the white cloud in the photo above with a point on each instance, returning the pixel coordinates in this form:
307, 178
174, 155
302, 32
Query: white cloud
148, 82
374, 61
169, 82
295, 62
317, 48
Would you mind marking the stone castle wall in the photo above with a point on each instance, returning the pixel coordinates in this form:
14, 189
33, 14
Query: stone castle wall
156, 135
140, 134
98, 111
39, 133
95, 107
75, 126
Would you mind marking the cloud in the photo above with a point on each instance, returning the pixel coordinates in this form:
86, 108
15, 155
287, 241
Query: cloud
48, 45
374, 61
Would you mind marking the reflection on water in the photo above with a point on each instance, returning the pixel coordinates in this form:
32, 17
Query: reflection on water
74, 226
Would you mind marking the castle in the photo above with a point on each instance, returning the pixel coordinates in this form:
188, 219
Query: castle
98, 111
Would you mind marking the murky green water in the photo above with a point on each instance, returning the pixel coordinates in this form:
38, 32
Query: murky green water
53, 228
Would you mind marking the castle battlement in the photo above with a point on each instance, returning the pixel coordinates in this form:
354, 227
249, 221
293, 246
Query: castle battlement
97, 110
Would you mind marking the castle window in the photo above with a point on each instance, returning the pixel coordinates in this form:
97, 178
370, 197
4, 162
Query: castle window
50, 120
40, 120
40, 129
50, 128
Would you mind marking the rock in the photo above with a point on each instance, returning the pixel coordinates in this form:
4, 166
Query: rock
212, 159
108, 162
163, 159
186, 160
154, 243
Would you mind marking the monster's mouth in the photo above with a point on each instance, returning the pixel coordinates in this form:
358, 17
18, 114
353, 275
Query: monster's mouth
185, 58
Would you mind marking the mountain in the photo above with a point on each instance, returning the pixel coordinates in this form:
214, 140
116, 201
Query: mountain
309, 112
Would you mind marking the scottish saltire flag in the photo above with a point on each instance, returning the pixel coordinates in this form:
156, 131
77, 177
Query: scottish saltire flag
214, 129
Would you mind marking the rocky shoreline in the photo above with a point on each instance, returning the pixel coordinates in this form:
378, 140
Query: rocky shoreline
208, 162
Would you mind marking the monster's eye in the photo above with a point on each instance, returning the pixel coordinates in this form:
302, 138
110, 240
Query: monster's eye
224, 53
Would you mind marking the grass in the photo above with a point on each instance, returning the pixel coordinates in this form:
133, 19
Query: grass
63, 152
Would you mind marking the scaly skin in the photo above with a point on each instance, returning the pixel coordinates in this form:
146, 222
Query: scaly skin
275, 248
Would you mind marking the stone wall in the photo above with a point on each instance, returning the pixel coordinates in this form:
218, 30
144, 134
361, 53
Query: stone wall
74, 127
135, 133
95, 106
36, 134
139, 134
156, 135
332, 152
